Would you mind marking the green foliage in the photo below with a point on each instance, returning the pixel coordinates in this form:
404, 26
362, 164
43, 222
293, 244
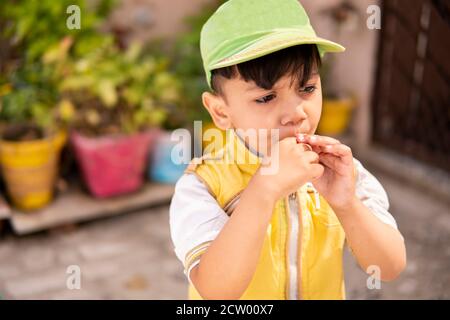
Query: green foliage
189, 67
31, 98
51, 75
35, 40
33, 27
116, 91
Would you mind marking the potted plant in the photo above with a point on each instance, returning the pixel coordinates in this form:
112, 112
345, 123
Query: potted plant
34, 46
121, 100
189, 68
32, 136
337, 106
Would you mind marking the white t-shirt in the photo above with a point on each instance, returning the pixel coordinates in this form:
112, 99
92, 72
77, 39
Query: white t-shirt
196, 218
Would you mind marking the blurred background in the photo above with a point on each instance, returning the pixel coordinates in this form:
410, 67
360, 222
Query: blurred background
91, 90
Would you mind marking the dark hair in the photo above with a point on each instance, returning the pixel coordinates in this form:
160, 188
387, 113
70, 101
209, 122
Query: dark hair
297, 61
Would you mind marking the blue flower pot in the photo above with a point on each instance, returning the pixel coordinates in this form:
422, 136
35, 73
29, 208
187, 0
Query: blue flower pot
162, 168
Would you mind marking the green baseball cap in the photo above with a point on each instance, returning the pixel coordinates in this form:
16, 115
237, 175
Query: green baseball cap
243, 30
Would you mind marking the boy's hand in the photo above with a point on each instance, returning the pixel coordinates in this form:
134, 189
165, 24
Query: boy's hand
296, 166
337, 183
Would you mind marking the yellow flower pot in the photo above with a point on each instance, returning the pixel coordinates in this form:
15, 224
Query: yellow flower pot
335, 116
30, 168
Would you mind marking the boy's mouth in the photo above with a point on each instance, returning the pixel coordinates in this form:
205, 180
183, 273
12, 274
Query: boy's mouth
286, 132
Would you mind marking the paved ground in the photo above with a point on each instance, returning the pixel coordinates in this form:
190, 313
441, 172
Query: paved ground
124, 257
425, 224
131, 257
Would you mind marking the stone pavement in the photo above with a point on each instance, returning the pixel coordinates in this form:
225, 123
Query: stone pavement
131, 256
424, 222
122, 257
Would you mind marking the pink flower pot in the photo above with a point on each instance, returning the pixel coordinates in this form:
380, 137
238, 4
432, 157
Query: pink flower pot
113, 165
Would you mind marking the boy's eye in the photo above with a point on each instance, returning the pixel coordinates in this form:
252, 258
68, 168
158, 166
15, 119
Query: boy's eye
309, 89
265, 99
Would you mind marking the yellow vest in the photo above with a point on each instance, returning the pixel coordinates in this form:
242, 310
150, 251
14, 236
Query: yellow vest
301, 256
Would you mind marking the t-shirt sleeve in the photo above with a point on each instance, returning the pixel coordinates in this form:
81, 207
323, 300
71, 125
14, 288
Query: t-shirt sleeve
370, 191
195, 220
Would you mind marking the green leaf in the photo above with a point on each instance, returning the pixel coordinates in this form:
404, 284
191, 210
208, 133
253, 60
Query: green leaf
77, 82
157, 117
107, 93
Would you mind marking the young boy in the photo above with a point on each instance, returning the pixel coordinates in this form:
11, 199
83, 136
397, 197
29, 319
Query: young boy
243, 233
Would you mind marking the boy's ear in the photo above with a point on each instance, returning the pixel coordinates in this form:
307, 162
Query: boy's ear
216, 107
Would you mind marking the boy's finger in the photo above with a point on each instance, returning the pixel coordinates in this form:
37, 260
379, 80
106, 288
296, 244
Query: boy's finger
316, 171
290, 140
311, 157
340, 150
317, 149
329, 160
305, 147
316, 140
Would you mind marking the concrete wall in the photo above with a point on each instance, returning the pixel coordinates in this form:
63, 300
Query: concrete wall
146, 19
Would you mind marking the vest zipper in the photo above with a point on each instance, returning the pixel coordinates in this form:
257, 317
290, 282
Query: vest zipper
294, 235
299, 251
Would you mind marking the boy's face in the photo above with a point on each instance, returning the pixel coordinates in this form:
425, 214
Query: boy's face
286, 106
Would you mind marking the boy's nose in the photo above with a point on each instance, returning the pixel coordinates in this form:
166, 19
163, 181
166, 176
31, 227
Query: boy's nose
296, 116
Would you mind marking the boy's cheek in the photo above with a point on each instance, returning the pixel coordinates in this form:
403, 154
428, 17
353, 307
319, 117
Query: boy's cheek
314, 117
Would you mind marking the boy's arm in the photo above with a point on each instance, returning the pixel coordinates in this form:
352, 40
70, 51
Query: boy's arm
373, 242
228, 265
375, 203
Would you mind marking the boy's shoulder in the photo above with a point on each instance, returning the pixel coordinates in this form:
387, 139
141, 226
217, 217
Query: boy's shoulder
210, 157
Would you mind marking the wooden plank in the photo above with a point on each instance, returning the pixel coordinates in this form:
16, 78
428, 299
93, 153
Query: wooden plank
75, 205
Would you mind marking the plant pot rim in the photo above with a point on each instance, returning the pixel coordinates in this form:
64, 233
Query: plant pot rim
121, 135
349, 102
59, 133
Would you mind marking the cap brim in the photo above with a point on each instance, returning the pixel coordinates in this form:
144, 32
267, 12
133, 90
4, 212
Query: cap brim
276, 42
